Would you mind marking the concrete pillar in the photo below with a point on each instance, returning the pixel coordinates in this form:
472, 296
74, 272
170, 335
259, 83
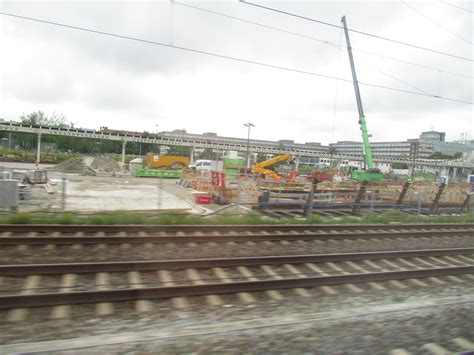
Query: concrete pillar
297, 162
38, 149
123, 151
9, 140
444, 172
253, 159
192, 155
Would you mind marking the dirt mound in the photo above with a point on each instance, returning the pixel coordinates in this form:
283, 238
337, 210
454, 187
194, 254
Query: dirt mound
74, 165
106, 165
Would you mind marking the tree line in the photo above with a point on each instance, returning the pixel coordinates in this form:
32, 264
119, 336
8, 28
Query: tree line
80, 145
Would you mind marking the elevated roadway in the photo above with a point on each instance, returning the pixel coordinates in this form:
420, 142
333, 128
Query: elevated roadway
219, 143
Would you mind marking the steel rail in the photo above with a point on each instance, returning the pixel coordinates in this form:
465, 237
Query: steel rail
51, 228
129, 294
125, 266
114, 239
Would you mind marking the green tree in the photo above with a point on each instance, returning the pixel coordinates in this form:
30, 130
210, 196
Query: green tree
207, 154
261, 157
439, 155
399, 166
457, 155
179, 151
39, 118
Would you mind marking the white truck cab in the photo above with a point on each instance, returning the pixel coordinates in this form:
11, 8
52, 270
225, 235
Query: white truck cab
201, 164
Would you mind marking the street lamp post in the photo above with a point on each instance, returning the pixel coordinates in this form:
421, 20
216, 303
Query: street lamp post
248, 125
156, 136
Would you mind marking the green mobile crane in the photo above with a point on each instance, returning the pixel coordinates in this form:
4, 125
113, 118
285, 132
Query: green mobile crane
369, 173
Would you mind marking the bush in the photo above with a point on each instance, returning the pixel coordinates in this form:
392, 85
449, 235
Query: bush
252, 218
66, 218
19, 218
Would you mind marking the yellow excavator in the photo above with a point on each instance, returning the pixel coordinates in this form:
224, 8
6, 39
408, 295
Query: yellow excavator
262, 168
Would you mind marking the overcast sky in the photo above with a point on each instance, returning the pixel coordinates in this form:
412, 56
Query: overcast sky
95, 80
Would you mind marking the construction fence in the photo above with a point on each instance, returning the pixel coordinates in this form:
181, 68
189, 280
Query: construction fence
247, 189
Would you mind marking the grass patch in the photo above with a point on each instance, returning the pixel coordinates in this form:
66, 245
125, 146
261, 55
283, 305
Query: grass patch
252, 218
19, 218
22, 155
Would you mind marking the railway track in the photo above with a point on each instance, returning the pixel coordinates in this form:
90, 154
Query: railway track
102, 283
86, 235
173, 229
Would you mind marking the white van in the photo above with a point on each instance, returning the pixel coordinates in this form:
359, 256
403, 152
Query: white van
200, 164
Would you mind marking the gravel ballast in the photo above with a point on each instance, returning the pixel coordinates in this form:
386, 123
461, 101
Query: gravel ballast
370, 333
116, 252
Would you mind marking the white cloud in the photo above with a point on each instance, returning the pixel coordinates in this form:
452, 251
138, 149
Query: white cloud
101, 81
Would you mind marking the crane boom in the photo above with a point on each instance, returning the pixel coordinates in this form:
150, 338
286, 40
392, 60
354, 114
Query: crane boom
261, 168
369, 163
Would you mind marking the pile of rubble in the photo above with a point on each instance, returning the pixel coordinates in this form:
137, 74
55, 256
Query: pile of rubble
105, 165
88, 166
74, 165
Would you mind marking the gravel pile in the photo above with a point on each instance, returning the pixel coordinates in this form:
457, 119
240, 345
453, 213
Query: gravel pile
74, 165
105, 165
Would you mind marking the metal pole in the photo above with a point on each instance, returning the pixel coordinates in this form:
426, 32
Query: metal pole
160, 188
309, 202
471, 203
418, 195
123, 151
372, 199
63, 200
247, 155
38, 150
248, 125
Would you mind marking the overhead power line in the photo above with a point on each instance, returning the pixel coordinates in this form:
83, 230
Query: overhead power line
336, 45
402, 81
248, 61
254, 23
356, 31
414, 64
436, 23
457, 7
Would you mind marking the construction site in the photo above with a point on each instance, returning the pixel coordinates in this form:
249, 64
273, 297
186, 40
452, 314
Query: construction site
253, 177
276, 187
272, 187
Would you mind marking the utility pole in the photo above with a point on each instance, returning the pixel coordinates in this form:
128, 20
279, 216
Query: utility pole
38, 149
248, 125
124, 143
